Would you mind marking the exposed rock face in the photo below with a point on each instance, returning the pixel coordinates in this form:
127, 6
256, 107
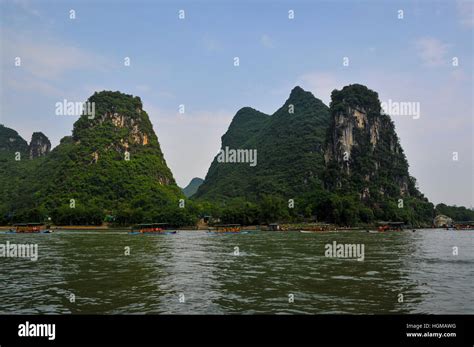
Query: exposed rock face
348, 124
39, 145
136, 136
363, 149
95, 157
441, 221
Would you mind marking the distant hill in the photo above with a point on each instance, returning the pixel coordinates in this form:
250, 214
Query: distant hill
192, 187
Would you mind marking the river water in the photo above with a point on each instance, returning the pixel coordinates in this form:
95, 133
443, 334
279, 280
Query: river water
194, 272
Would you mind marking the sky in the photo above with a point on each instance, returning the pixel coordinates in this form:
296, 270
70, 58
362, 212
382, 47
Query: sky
404, 50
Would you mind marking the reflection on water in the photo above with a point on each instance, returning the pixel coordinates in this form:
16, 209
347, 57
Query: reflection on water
202, 270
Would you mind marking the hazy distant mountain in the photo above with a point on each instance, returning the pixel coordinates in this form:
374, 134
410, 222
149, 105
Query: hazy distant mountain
192, 187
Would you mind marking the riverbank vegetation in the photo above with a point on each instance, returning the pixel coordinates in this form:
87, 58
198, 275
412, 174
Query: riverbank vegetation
323, 208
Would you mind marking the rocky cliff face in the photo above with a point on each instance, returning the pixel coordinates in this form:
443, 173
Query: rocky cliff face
39, 145
363, 151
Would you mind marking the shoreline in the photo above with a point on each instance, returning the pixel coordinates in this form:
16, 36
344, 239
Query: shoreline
286, 228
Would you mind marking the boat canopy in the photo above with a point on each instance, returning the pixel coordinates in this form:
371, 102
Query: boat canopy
149, 226
27, 224
391, 223
466, 222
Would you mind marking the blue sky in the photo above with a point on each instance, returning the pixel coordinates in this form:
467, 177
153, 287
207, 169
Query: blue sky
190, 62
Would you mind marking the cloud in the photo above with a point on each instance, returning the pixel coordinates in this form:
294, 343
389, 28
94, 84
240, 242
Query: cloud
47, 59
431, 51
267, 41
34, 85
44, 63
26, 7
465, 11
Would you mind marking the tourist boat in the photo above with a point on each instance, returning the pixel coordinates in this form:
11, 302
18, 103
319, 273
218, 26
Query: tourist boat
152, 228
317, 228
390, 226
30, 228
461, 225
227, 229
311, 231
